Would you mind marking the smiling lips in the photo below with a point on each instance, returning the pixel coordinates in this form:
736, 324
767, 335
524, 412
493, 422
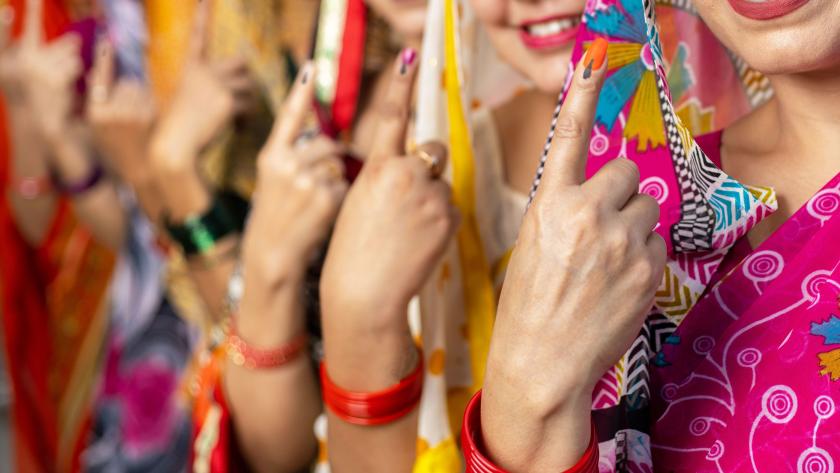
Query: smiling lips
765, 9
549, 32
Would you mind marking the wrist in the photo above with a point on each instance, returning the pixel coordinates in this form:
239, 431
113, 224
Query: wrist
529, 421
270, 318
172, 155
365, 360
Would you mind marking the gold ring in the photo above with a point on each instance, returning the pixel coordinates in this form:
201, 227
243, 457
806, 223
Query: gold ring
434, 163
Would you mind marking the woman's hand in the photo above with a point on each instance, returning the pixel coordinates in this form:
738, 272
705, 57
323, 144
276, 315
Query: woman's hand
205, 102
580, 282
44, 74
392, 230
300, 187
394, 226
121, 116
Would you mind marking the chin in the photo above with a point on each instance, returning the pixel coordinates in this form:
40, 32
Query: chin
408, 24
805, 40
784, 52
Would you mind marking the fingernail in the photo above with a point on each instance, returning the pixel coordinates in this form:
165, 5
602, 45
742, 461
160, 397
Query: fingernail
595, 56
305, 73
407, 59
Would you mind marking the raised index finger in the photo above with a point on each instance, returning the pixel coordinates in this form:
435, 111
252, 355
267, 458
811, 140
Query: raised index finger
198, 34
567, 158
392, 119
7, 15
102, 74
33, 31
290, 119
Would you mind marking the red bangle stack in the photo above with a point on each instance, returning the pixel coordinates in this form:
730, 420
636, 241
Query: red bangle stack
374, 408
242, 354
473, 445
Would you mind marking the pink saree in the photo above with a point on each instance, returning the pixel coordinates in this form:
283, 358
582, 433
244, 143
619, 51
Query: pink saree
737, 367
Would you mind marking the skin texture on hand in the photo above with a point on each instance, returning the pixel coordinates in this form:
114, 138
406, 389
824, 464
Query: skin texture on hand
392, 230
579, 283
38, 80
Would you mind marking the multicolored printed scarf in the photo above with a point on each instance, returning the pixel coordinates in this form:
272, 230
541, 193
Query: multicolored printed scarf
719, 371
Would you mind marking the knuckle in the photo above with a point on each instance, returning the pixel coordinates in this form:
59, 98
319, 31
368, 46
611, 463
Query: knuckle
627, 169
643, 272
618, 242
568, 127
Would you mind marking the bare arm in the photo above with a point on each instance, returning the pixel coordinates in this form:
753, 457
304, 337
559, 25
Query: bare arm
391, 232
299, 190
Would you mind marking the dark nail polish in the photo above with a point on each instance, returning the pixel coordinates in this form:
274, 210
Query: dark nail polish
304, 77
587, 73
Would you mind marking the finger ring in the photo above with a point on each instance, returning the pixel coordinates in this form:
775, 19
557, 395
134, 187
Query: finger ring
434, 163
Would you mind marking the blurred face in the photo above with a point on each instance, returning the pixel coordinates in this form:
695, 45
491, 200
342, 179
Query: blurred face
778, 36
405, 17
536, 37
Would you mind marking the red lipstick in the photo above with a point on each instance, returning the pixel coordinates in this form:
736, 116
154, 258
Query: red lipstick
766, 10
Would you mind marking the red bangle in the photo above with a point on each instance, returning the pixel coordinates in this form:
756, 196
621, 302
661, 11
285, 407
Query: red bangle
375, 408
473, 445
33, 187
242, 354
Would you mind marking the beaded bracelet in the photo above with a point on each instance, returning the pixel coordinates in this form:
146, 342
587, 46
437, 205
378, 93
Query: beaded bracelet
375, 408
242, 354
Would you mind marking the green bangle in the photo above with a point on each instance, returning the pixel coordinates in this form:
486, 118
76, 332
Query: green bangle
198, 234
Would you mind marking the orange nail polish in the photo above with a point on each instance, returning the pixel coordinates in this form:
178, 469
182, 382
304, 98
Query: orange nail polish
595, 56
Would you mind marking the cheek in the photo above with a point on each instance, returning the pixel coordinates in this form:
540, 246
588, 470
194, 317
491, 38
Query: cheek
491, 12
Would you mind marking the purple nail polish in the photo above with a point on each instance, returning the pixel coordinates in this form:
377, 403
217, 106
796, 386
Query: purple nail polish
407, 58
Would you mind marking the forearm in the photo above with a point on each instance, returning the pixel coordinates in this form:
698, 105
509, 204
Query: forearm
369, 359
183, 194
274, 409
33, 216
97, 208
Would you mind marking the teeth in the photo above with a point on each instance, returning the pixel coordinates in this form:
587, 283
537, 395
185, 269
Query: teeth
551, 27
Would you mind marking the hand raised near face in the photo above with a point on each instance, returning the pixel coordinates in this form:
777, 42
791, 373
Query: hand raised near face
579, 284
395, 223
300, 187
38, 74
208, 97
